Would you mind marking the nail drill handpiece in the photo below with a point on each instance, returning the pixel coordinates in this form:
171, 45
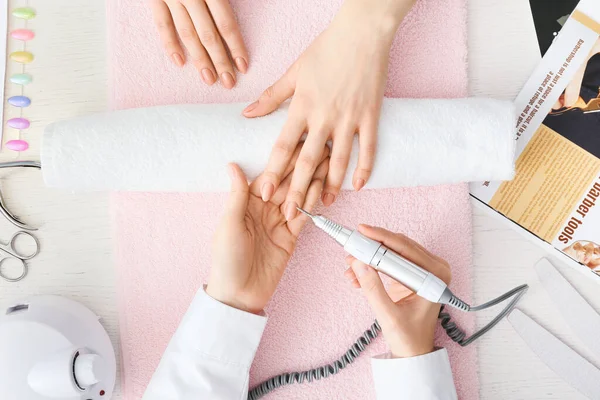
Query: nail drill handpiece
384, 260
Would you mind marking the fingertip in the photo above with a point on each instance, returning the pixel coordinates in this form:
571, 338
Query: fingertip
290, 211
328, 199
358, 184
267, 191
228, 80
241, 64
364, 228
178, 59
232, 171
248, 111
208, 76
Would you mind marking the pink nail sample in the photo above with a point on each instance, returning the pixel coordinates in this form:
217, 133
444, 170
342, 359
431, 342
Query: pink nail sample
18, 123
22, 34
17, 145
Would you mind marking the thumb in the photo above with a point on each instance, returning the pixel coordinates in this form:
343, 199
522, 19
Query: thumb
239, 194
373, 289
271, 99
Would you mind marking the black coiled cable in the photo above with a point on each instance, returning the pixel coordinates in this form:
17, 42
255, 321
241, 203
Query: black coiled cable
324, 371
452, 330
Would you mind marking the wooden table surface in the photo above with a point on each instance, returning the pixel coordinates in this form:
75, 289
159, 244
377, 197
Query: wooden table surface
70, 79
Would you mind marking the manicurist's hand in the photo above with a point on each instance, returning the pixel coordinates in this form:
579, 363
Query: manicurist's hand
254, 242
337, 86
407, 321
210, 33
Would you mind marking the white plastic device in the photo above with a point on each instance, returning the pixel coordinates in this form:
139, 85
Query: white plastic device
54, 348
386, 261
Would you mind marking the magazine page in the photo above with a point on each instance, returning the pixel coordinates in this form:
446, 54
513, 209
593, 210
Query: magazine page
557, 183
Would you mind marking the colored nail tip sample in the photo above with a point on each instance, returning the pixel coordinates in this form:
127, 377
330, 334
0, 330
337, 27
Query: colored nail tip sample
21, 79
19, 101
17, 145
24, 13
23, 57
22, 34
18, 123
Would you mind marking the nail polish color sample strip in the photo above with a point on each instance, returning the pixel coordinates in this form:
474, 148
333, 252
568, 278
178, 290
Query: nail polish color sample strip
22, 57
17, 145
21, 79
22, 34
19, 101
24, 13
18, 123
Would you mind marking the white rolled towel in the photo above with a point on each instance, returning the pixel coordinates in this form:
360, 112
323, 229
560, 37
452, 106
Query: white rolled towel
185, 148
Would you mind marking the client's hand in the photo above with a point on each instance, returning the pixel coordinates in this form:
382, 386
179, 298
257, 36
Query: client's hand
210, 33
254, 242
408, 321
338, 85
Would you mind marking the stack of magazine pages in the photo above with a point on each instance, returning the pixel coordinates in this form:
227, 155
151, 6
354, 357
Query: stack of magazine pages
555, 195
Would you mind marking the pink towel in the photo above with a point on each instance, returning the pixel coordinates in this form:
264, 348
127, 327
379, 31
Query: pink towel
163, 240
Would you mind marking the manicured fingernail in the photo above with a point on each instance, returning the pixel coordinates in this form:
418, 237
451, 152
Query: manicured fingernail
241, 64
177, 59
267, 191
290, 211
359, 269
227, 80
250, 107
231, 171
208, 76
328, 199
359, 184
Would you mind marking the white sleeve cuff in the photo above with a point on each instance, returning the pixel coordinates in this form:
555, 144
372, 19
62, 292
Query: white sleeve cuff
221, 332
425, 377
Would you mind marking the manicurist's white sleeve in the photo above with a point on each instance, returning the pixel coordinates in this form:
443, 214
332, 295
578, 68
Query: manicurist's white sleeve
426, 377
210, 355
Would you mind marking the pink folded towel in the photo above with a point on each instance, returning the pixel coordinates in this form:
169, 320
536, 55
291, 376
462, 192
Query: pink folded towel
163, 240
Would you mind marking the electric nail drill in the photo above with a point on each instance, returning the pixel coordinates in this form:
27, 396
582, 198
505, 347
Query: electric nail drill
386, 261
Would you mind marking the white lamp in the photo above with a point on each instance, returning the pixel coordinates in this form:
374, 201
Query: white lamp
54, 348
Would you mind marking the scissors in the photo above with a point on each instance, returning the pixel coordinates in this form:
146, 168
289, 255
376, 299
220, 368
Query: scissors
11, 252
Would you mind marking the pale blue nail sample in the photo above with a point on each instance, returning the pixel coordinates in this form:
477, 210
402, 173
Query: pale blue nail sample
19, 101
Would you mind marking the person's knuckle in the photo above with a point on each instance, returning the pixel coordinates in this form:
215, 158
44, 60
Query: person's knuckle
187, 33
283, 148
269, 92
295, 194
226, 28
306, 162
169, 44
209, 37
165, 24
199, 58
338, 161
369, 149
365, 170
222, 65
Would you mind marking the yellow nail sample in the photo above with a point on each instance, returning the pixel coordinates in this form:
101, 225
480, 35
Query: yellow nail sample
23, 57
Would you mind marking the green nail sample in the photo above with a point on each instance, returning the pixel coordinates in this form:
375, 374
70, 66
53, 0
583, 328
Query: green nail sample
24, 13
21, 79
